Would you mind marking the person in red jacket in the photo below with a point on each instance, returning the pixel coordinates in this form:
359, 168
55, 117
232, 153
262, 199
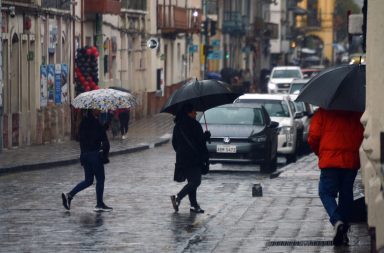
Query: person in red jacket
335, 137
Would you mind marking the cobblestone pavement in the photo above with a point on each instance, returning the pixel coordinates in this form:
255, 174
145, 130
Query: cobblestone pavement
288, 217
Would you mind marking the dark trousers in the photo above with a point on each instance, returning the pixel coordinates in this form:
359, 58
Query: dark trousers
193, 176
124, 120
93, 167
333, 182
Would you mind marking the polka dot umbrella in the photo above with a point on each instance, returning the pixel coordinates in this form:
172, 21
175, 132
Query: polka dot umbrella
104, 100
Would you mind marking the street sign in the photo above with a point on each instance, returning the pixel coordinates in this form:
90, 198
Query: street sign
193, 48
153, 43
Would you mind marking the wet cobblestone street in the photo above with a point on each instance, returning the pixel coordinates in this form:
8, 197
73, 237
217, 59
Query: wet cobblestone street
138, 186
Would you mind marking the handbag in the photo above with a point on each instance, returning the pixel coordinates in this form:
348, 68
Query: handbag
205, 168
178, 175
205, 165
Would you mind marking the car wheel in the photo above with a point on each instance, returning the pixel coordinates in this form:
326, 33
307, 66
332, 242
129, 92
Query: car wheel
269, 166
291, 158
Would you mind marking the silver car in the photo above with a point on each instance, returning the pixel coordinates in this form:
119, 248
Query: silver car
281, 109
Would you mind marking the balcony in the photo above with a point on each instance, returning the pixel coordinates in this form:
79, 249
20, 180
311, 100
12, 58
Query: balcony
20, 1
263, 30
172, 20
233, 23
102, 6
57, 4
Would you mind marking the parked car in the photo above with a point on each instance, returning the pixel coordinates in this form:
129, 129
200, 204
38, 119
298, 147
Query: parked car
307, 111
309, 73
281, 77
281, 109
297, 85
241, 133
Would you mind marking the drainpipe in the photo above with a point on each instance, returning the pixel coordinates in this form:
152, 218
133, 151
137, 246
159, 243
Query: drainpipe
1, 86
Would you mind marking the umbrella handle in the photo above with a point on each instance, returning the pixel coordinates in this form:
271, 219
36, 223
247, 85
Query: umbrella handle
205, 121
206, 127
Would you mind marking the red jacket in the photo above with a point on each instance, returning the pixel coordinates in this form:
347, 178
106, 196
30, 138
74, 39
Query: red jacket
335, 137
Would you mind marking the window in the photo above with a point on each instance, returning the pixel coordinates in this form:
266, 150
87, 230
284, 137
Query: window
286, 73
275, 108
233, 116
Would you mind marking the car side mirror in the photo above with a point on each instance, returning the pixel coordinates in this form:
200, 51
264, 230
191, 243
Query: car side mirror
274, 124
298, 115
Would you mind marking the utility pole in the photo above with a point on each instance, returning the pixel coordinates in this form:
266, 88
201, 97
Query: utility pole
206, 38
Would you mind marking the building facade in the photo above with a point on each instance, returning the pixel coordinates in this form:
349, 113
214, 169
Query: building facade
372, 148
41, 40
315, 35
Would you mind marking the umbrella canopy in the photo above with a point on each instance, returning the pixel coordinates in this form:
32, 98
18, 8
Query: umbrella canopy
338, 88
104, 100
203, 95
120, 89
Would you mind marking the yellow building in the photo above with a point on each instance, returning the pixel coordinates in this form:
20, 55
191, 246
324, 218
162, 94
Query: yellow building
317, 26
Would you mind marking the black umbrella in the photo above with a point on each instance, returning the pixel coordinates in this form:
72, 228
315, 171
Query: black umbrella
120, 89
203, 95
337, 88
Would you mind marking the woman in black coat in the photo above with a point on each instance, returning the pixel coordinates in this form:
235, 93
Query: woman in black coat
189, 143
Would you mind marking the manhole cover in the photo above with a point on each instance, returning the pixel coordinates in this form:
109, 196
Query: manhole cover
299, 243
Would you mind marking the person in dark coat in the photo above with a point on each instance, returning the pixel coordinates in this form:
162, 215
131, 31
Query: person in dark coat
93, 139
124, 115
189, 143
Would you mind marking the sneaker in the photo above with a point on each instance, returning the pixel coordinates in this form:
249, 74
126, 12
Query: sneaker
175, 203
66, 200
196, 209
338, 236
103, 208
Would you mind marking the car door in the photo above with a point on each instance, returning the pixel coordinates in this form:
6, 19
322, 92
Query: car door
297, 123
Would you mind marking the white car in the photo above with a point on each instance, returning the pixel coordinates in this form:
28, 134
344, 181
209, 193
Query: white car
281, 77
282, 110
307, 111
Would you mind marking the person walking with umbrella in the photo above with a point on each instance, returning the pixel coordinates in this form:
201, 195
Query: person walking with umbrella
335, 137
123, 115
93, 138
189, 143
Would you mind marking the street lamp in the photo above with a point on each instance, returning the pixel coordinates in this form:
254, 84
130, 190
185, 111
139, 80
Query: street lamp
195, 14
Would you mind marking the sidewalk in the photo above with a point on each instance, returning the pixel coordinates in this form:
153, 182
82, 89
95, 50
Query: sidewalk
142, 134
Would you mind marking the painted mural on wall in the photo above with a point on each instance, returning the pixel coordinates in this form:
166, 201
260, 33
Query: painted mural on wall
51, 83
57, 83
43, 86
64, 83
54, 84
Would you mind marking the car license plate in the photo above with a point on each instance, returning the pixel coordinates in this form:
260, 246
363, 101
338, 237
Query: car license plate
226, 149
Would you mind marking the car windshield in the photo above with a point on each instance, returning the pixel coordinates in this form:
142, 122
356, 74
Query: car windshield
233, 116
275, 108
299, 106
286, 73
296, 87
